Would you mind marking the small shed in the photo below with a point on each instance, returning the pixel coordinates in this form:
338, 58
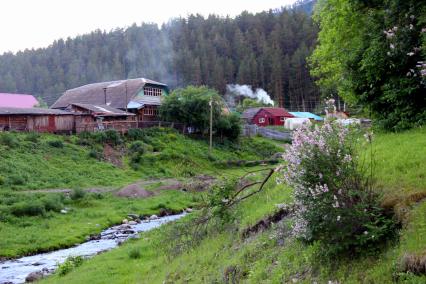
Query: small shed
304, 114
270, 116
36, 119
91, 117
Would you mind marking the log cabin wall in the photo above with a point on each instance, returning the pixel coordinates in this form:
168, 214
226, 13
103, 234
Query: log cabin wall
13, 122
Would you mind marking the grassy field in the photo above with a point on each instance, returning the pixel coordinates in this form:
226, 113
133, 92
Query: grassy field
30, 218
273, 256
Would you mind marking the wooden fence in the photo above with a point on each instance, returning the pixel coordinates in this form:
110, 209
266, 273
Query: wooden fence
124, 126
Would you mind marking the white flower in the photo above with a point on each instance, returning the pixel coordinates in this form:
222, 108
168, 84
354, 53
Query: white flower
365, 233
410, 53
338, 218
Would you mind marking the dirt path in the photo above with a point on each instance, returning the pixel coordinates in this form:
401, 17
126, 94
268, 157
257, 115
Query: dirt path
143, 188
66, 190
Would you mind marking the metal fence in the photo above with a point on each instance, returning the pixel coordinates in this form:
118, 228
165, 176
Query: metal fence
253, 130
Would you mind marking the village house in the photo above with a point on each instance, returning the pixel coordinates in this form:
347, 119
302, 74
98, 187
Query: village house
17, 100
265, 116
140, 96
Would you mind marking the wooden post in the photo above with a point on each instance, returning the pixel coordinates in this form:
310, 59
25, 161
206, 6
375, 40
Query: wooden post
211, 125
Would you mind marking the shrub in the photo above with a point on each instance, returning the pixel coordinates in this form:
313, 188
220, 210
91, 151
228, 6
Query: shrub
96, 152
228, 126
32, 137
28, 208
56, 143
138, 147
112, 137
334, 199
135, 134
69, 264
77, 194
9, 139
135, 253
98, 137
52, 203
17, 179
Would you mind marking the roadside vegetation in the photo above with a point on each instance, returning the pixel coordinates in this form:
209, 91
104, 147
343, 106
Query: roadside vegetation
239, 250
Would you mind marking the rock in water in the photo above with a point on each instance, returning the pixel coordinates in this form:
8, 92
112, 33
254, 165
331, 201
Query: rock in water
133, 216
34, 276
125, 221
153, 217
132, 222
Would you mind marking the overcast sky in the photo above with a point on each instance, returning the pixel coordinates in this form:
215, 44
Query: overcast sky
37, 23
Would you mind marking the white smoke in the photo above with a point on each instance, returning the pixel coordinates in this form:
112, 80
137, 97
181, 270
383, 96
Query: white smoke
245, 90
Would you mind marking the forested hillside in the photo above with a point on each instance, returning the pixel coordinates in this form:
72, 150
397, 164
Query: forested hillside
266, 50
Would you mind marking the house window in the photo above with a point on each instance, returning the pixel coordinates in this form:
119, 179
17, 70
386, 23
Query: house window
150, 91
261, 120
282, 118
150, 111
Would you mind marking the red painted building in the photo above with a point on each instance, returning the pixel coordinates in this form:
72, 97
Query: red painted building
270, 116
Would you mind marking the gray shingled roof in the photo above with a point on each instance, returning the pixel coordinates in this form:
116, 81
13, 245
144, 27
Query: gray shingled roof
115, 93
31, 111
104, 110
250, 113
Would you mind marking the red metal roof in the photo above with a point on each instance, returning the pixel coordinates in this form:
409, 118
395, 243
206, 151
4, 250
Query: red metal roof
17, 100
275, 111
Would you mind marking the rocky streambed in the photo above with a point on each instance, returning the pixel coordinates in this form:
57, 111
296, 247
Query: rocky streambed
31, 268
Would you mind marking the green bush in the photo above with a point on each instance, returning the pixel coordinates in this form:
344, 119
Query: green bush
77, 194
228, 127
135, 253
28, 208
17, 179
113, 137
69, 264
138, 147
96, 152
135, 134
9, 139
52, 203
32, 137
56, 143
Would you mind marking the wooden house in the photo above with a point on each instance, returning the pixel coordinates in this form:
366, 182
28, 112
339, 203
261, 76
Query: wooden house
36, 119
139, 96
266, 116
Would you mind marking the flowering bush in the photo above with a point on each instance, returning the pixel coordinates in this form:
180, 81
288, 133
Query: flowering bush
334, 201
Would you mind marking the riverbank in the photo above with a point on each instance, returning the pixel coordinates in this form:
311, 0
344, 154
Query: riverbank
32, 268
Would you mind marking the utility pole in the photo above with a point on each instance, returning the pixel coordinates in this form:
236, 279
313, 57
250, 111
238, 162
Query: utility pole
211, 125
126, 95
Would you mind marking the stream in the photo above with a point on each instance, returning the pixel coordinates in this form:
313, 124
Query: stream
16, 270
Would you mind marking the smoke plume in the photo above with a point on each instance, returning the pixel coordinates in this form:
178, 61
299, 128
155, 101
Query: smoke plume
245, 90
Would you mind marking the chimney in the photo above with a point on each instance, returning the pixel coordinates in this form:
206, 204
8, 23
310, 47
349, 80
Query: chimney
105, 89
